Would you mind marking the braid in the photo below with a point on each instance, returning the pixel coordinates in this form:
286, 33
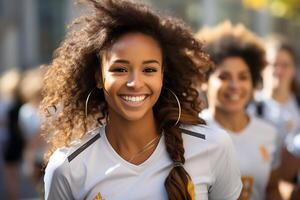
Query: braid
178, 183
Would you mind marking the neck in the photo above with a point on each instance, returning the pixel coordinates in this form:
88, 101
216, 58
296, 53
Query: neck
234, 122
129, 137
281, 94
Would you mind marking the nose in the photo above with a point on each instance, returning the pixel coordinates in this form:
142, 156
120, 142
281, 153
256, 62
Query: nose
233, 83
135, 80
278, 70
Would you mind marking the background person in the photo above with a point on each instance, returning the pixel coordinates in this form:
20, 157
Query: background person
279, 103
14, 145
239, 59
30, 122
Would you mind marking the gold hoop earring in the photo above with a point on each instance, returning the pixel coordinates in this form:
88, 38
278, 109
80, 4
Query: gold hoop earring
87, 101
179, 106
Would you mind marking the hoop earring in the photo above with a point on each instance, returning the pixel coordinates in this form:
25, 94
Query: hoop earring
178, 103
87, 101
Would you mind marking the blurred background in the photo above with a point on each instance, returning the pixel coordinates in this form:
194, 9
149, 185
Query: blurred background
32, 29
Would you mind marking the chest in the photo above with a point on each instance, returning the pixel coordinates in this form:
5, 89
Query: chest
255, 161
112, 179
286, 117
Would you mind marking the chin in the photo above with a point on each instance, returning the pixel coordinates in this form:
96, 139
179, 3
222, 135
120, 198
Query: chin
131, 117
233, 109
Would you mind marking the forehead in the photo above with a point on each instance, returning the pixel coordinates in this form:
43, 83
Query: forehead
233, 65
284, 54
134, 45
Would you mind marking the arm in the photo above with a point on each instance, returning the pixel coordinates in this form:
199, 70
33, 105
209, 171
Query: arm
290, 166
296, 193
288, 171
272, 191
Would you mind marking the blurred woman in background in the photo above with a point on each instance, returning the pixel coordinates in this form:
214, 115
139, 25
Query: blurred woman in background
239, 59
279, 103
14, 145
280, 96
29, 122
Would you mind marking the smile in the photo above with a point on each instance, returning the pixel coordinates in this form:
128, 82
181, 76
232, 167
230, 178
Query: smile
134, 99
234, 97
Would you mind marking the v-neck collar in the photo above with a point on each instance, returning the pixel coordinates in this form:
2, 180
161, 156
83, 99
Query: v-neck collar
155, 154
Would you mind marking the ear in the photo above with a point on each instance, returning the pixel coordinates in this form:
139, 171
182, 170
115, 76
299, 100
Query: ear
98, 78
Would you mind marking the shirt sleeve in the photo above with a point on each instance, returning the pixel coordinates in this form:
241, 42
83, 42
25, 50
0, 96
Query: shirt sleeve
227, 184
56, 179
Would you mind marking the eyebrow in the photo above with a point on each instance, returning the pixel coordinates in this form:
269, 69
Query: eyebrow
127, 62
121, 61
151, 61
246, 72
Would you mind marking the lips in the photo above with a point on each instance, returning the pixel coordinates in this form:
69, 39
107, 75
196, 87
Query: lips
133, 99
233, 97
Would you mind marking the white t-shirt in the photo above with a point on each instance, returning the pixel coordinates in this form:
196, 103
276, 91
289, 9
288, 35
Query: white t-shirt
257, 148
286, 116
29, 120
92, 168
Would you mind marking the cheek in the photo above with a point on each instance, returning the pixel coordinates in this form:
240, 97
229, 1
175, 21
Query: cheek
250, 89
156, 81
112, 85
157, 85
214, 88
291, 72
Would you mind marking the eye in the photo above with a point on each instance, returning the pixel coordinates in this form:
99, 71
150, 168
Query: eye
150, 70
245, 77
224, 77
118, 69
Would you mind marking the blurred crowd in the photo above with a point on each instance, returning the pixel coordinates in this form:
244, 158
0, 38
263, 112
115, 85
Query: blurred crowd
22, 146
252, 77
253, 94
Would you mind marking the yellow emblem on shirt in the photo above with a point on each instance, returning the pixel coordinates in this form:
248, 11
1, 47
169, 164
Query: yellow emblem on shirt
98, 197
264, 153
247, 188
191, 189
289, 125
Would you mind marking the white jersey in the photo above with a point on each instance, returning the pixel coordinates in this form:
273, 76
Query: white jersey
286, 117
257, 148
29, 120
93, 170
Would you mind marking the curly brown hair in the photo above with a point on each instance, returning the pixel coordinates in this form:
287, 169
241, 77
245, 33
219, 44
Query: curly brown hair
71, 76
226, 40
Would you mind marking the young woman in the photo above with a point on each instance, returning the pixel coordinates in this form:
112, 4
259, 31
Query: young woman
239, 59
129, 70
14, 146
279, 103
281, 92
29, 123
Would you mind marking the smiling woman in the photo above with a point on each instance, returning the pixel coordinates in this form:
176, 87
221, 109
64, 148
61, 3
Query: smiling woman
239, 58
128, 125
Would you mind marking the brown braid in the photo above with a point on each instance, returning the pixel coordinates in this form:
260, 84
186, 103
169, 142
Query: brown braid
177, 181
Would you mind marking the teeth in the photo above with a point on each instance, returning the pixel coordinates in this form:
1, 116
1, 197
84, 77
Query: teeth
135, 99
234, 97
